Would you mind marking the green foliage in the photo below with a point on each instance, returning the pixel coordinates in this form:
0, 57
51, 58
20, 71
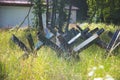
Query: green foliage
38, 9
47, 66
104, 11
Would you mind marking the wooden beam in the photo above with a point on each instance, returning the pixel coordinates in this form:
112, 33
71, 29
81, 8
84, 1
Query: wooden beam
99, 42
49, 43
78, 35
30, 41
20, 43
114, 41
88, 41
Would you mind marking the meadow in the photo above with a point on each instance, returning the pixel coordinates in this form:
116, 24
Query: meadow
48, 66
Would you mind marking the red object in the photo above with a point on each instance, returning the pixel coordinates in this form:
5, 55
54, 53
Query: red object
15, 3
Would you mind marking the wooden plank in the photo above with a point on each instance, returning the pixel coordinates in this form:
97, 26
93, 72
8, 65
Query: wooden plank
88, 41
40, 43
110, 34
30, 41
64, 45
19, 43
50, 44
82, 33
98, 42
70, 34
74, 38
113, 43
49, 35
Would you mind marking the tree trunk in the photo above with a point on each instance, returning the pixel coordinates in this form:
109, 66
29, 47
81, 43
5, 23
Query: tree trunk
47, 13
53, 14
61, 16
40, 28
69, 15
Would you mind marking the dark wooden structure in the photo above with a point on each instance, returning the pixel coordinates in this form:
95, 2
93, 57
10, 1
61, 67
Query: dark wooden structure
115, 41
71, 42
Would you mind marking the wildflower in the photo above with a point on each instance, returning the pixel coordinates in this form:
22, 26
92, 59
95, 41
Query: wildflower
94, 68
98, 78
108, 77
91, 73
101, 67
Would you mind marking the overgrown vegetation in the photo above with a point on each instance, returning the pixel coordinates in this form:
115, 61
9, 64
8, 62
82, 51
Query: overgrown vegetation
104, 11
47, 66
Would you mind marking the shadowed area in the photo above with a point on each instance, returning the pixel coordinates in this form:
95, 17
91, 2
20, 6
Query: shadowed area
2, 71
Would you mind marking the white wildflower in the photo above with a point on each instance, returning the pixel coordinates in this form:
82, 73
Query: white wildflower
98, 78
101, 67
91, 73
108, 77
94, 68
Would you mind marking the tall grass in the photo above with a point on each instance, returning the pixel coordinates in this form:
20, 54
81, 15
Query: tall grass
47, 66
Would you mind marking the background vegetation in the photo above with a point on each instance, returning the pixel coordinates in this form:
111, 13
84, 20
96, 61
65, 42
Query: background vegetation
106, 11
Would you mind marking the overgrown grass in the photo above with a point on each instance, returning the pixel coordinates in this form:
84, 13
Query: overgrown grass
47, 66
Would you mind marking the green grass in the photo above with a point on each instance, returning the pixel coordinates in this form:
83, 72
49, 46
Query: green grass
47, 66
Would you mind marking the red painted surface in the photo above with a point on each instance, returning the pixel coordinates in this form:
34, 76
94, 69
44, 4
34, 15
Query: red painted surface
15, 3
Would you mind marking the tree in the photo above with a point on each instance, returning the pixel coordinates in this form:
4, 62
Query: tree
38, 10
61, 17
47, 12
53, 19
82, 9
104, 11
69, 15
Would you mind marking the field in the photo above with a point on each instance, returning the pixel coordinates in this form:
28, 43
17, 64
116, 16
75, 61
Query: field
47, 66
